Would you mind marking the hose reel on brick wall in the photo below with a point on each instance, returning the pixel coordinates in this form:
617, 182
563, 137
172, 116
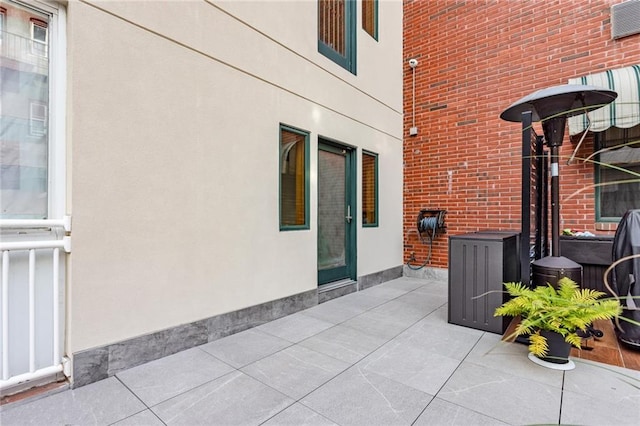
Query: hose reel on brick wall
430, 224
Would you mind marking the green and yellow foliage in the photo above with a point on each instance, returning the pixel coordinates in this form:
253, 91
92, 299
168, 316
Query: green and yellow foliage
564, 310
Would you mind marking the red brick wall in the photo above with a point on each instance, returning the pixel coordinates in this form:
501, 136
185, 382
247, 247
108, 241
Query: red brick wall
475, 59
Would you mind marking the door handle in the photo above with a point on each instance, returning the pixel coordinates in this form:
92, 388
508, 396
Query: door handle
349, 217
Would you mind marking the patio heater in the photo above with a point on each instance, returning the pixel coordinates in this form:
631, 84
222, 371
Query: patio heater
552, 106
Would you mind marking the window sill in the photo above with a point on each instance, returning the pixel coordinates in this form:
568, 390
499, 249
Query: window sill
606, 226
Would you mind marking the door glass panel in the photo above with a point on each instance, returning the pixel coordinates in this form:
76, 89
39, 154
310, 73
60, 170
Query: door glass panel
24, 113
331, 210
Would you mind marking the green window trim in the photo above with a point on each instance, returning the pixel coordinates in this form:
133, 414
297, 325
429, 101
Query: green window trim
370, 198
296, 218
337, 32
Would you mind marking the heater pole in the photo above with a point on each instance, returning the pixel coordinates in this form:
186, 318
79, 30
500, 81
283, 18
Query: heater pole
553, 129
555, 201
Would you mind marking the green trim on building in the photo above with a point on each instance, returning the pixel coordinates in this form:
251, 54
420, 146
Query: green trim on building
307, 146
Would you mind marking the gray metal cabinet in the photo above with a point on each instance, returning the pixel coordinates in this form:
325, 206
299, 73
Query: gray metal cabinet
478, 263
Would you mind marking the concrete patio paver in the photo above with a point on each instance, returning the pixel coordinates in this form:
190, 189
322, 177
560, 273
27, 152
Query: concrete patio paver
164, 378
440, 412
103, 402
383, 356
246, 347
361, 397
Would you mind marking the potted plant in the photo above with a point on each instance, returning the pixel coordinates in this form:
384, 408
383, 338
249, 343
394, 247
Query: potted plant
552, 317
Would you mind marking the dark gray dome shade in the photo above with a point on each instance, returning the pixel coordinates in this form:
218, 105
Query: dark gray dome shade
574, 99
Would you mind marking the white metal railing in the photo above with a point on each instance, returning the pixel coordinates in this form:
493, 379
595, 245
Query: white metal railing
31, 246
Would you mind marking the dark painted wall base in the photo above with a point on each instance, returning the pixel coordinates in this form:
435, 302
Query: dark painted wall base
367, 281
99, 363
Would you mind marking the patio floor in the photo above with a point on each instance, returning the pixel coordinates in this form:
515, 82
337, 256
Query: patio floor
383, 356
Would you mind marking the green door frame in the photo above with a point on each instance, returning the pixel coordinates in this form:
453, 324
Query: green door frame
350, 269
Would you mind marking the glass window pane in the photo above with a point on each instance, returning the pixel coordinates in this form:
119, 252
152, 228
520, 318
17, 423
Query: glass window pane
331, 24
369, 18
621, 191
337, 32
293, 178
24, 112
619, 196
331, 210
369, 189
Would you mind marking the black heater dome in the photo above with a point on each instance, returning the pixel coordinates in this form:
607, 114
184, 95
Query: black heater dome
570, 99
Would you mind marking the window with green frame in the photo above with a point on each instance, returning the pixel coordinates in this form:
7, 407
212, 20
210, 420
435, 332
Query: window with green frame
370, 17
337, 32
617, 170
369, 189
294, 179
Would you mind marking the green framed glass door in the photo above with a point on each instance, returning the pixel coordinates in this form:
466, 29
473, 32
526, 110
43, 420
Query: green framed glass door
336, 213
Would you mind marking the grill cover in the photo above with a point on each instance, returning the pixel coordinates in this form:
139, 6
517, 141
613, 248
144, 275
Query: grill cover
626, 276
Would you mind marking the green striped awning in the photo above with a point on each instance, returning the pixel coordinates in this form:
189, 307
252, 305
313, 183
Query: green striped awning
624, 112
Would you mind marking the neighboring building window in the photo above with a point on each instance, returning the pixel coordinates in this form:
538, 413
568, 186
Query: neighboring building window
370, 17
369, 189
336, 32
38, 119
3, 12
294, 179
39, 37
619, 190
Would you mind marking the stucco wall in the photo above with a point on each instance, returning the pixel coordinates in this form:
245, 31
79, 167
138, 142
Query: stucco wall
174, 110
